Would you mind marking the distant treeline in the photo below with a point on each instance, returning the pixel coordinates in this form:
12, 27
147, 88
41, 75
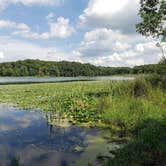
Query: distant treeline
71, 69
148, 69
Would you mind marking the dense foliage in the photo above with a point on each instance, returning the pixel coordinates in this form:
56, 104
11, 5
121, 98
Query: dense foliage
64, 68
150, 69
153, 14
153, 19
72, 69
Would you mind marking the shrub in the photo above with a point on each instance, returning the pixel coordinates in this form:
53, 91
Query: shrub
147, 148
157, 80
140, 87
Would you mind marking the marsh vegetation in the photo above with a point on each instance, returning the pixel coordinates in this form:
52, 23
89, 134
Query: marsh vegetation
132, 110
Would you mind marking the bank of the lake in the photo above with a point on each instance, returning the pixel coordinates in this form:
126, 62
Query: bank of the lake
129, 108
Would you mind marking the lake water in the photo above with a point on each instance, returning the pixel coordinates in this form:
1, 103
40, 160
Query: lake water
59, 79
27, 138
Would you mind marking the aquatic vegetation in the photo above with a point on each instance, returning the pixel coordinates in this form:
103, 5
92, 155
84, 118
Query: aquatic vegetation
71, 99
127, 108
120, 104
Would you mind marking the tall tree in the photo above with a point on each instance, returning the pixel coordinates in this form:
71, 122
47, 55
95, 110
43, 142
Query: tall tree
153, 20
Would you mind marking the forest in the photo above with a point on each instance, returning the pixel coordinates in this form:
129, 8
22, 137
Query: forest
72, 69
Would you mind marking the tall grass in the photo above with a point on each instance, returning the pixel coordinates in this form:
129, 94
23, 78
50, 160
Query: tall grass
138, 112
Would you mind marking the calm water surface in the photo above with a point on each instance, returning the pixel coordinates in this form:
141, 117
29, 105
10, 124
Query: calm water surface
59, 79
27, 138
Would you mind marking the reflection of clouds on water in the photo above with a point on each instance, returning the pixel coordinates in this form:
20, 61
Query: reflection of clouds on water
12, 120
26, 136
26, 120
32, 155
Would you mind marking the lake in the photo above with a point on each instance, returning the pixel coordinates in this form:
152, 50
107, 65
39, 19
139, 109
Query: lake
27, 138
4, 80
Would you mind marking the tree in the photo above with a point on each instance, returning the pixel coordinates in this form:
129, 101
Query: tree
163, 60
153, 23
24, 71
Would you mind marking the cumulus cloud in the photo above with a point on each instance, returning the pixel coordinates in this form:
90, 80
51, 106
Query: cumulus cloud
11, 24
59, 28
12, 50
103, 41
108, 47
15, 50
118, 14
130, 58
5, 3
1, 55
50, 16
136, 54
112, 39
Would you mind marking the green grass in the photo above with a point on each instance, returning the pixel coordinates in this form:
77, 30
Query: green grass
129, 108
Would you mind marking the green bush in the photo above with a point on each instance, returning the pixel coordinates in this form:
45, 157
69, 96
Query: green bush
140, 87
157, 80
148, 147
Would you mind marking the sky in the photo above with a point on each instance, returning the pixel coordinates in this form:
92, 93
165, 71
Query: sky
100, 32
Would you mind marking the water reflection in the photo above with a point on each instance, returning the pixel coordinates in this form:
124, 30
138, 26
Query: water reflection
27, 138
59, 79
57, 119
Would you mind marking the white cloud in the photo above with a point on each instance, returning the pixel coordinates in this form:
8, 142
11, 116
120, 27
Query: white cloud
105, 7
12, 50
149, 54
112, 39
60, 28
6, 24
103, 41
107, 47
140, 47
137, 54
115, 14
11, 24
50, 16
15, 50
1, 55
5, 3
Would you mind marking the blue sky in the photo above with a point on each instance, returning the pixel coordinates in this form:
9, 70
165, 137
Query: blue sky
101, 32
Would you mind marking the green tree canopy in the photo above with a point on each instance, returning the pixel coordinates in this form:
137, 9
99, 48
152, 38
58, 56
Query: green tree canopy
153, 19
